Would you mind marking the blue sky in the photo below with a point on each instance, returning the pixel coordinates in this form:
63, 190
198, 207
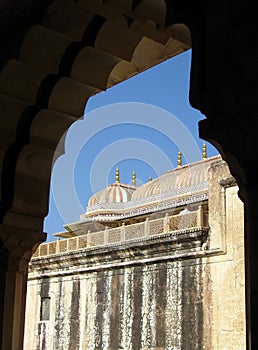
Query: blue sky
138, 125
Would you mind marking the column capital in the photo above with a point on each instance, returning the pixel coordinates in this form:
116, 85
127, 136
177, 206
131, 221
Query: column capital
237, 142
17, 245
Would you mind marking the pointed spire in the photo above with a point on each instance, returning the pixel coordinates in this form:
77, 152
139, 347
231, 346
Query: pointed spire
117, 175
179, 158
150, 178
133, 179
204, 151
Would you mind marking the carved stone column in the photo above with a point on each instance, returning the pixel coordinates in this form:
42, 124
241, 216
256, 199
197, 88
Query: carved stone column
16, 248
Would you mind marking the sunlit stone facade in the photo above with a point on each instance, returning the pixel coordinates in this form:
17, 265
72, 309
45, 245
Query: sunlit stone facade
162, 269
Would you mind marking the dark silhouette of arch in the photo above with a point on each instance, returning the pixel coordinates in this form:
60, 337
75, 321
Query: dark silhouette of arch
56, 54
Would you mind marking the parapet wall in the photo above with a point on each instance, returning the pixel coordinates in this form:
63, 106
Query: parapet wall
173, 224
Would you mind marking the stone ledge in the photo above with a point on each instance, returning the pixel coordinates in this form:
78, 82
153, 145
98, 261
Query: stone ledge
185, 245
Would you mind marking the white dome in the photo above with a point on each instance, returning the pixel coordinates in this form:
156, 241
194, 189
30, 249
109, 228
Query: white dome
187, 176
115, 193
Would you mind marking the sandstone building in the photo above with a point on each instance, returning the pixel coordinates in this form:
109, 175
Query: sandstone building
159, 266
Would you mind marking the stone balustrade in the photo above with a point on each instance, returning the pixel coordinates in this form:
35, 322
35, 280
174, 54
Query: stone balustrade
125, 233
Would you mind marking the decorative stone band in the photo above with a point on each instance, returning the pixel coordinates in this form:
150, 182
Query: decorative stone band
203, 186
174, 225
126, 212
183, 244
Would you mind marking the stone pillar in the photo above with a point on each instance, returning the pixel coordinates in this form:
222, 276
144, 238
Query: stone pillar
166, 224
251, 267
88, 239
106, 235
123, 232
147, 227
200, 218
238, 143
16, 248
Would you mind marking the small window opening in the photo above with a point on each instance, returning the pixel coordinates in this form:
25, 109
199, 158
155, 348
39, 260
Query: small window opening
45, 309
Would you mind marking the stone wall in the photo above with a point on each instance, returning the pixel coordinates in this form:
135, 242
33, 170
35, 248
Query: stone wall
180, 291
156, 306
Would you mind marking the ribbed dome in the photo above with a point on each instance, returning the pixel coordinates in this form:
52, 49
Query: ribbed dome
184, 177
115, 193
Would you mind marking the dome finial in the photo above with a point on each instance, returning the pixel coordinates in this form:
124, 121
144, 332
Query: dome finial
133, 179
117, 175
204, 151
179, 159
150, 178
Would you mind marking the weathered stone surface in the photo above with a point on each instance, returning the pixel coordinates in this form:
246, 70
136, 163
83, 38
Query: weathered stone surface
178, 290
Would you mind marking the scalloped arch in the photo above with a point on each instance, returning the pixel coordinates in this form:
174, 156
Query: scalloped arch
77, 50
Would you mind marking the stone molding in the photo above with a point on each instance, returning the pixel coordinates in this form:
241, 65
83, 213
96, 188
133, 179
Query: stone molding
183, 244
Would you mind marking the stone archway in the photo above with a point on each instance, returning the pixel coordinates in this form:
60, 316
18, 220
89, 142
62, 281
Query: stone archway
73, 54
56, 55
75, 51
